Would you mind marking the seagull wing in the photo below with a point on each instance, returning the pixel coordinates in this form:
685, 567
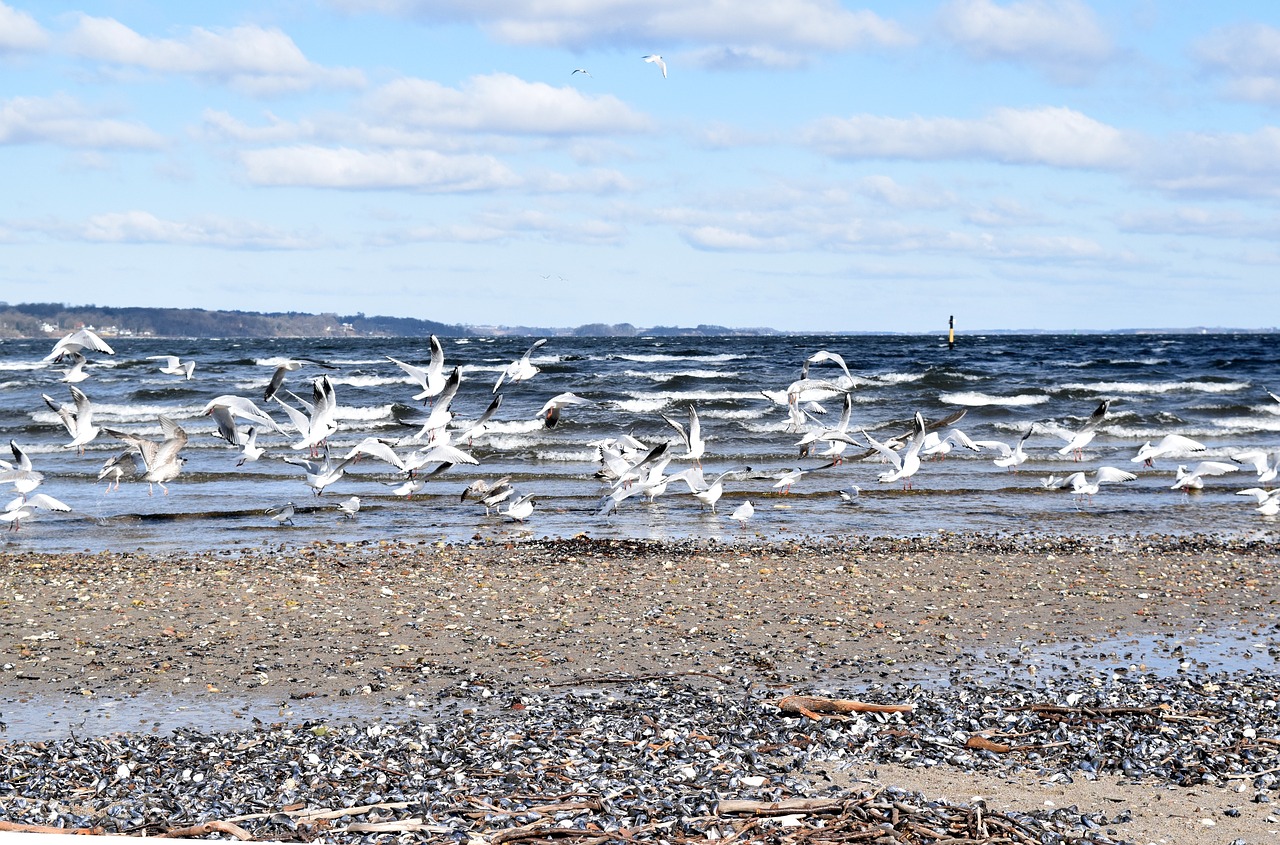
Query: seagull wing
84, 408
1213, 468
42, 500
1112, 475
893, 457
416, 373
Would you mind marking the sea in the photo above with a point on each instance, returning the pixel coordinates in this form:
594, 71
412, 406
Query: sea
1210, 387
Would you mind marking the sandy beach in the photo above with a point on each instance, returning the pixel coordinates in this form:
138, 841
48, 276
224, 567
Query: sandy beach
398, 630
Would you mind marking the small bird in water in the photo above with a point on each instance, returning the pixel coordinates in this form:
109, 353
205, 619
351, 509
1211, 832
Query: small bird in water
116, 468
743, 512
282, 514
350, 507
520, 509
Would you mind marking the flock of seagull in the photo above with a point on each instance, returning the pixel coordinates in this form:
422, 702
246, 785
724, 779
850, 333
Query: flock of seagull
628, 466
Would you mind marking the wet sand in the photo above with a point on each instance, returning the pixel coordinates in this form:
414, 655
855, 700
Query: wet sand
393, 630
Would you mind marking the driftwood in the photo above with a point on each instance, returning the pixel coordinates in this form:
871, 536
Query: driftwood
835, 708
205, 829
790, 806
394, 826
15, 827
1059, 713
324, 813
983, 744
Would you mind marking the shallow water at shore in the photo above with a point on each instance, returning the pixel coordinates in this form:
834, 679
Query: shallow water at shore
1208, 387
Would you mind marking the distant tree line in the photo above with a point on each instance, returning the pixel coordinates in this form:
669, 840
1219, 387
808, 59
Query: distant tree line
43, 319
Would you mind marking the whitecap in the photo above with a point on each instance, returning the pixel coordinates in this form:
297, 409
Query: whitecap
647, 405
658, 358
512, 426
668, 375
567, 456
22, 365
971, 399
718, 414
1137, 387
369, 381
896, 378
372, 413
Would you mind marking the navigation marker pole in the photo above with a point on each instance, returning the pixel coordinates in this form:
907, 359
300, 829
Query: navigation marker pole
951, 334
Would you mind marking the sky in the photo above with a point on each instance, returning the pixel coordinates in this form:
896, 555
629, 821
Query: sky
804, 165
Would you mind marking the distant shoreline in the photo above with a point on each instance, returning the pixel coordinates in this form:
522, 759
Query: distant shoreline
53, 320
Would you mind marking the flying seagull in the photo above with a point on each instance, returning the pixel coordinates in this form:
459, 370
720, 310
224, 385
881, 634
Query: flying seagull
77, 340
657, 60
160, 458
520, 369
581, 70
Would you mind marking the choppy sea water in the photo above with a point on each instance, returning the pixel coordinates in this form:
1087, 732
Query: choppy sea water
1209, 387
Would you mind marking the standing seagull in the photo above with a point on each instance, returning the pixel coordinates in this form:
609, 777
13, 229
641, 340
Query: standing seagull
657, 60
520, 369
116, 468
283, 513
743, 512
161, 459
520, 509
350, 507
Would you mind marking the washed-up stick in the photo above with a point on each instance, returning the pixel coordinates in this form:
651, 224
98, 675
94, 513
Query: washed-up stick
835, 708
205, 828
15, 827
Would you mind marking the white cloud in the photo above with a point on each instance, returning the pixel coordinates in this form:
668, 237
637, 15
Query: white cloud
1187, 220
496, 226
1062, 36
1222, 164
1053, 136
420, 170
1249, 56
721, 239
501, 102
250, 58
889, 191
19, 32
64, 121
758, 29
145, 228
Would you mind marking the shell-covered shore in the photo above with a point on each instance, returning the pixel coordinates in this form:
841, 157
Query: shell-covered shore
1104, 690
